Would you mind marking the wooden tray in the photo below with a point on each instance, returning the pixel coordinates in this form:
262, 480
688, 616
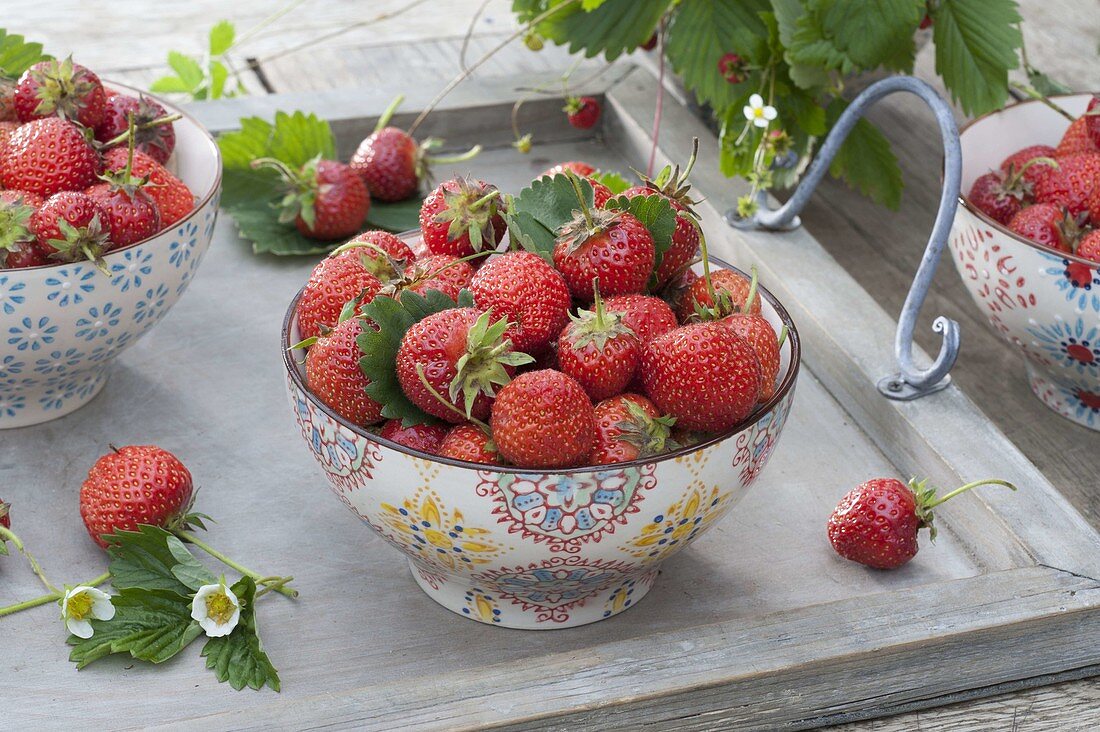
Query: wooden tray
780, 634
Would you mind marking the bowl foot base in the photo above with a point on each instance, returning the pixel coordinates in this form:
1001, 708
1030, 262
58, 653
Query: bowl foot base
544, 599
24, 406
1075, 404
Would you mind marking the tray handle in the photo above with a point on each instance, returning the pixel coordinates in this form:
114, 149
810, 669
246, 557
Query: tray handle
910, 382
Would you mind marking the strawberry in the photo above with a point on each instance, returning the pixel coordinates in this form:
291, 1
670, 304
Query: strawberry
676, 291
876, 523
422, 437
647, 316
1033, 174
18, 244
650, 43
629, 427
732, 68
72, 226
759, 334
173, 198
532, 295
47, 156
1089, 246
581, 168
601, 194
325, 199
599, 351
6, 128
543, 419
333, 374
450, 363
610, 245
382, 254
1076, 140
444, 272
155, 140
1092, 121
132, 215
1046, 224
335, 280
470, 443
703, 374
1071, 184
460, 217
60, 89
1001, 195
732, 291
582, 112
134, 485
33, 200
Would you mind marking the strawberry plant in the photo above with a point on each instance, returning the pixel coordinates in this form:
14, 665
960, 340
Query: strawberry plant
205, 77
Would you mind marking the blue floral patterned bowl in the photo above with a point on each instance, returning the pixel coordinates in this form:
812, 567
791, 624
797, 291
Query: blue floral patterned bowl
61, 326
1045, 303
528, 549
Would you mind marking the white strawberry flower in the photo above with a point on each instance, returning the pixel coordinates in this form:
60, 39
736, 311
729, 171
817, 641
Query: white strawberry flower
217, 609
82, 603
758, 113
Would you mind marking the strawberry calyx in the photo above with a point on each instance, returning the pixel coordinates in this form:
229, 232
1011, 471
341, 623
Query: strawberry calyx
480, 370
124, 180
573, 104
450, 405
648, 435
82, 242
586, 222
14, 227
301, 188
470, 210
375, 259
1013, 184
1072, 228
673, 184
149, 124
926, 499
61, 88
597, 326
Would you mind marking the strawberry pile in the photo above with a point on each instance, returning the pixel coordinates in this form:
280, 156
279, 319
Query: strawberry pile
1050, 195
81, 168
586, 340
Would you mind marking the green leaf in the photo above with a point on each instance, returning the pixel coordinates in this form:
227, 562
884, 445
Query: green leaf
144, 560
189, 571
536, 214
865, 160
379, 347
218, 76
852, 35
260, 225
976, 45
150, 625
169, 85
611, 28
239, 657
396, 217
1045, 85
187, 68
656, 214
615, 182
787, 13
221, 37
17, 55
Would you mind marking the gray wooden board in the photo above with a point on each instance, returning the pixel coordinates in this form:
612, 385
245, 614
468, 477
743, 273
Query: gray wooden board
757, 625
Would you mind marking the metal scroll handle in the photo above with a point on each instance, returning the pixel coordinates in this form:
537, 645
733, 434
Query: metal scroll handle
910, 382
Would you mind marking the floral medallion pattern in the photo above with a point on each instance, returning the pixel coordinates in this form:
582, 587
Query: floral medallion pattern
754, 446
553, 587
347, 459
678, 525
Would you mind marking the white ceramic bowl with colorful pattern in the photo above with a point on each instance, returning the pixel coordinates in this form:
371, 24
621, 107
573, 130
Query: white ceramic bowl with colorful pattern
1043, 302
530, 549
61, 326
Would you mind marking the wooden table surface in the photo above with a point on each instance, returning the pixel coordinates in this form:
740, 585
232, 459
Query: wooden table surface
421, 47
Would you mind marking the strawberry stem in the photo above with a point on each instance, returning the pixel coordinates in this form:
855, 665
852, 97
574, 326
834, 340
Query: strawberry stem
166, 119
752, 291
388, 114
458, 158
51, 597
447, 403
576, 183
705, 258
279, 587
968, 486
9, 535
484, 199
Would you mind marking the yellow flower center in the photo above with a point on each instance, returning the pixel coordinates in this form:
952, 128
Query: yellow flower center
758, 112
80, 605
219, 607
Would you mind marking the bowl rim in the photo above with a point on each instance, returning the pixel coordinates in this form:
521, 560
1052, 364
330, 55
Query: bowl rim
781, 392
171, 108
965, 202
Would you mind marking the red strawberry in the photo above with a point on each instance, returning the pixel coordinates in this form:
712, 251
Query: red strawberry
599, 351
523, 288
673, 185
582, 169
704, 375
761, 336
995, 196
382, 254
6, 128
1033, 174
60, 89
422, 437
732, 290
390, 162
444, 272
1071, 184
1076, 140
582, 112
647, 316
1089, 246
47, 156
451, 363
543, 419
335, 280
651, 43
173, 198
325, 199
18, 244
732, 68
876, 524
156, 141
132, 215
470, 443
629, 427
134, 485
1092, 121
601, 194
333, 374
72, 226
460, 217
676, 291
25, 197
1046, 224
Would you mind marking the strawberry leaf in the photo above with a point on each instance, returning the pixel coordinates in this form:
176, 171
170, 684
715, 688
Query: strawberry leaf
610, 27
392, 318
188, 570
656, 214
17, 55
239, 657
395, 217
144, 560
150, 625
865, 160
615, 182
976, 46
536, 214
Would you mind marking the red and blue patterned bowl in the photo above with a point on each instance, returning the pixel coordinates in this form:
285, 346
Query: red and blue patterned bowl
530, 549
1044, 303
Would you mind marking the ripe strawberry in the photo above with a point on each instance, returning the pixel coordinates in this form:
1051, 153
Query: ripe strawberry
72, 226
732, 290
47, 156
732, 68
382, 254
470, 443
333, 374
647, 316
650, 43
629, 427
599, 351
325, 199
996, 197
582, 169
335, 280
676, 291
759, 334
134, 485
532, 295
60, 89
390, 162
1046, 224
703, 374
1092, 121
1071, 184
132, 215
6, 128
1033, 174
156, 141
1076, 140
173, 198
543, 419
460, 217
422, 437
876, 523
444, 272
582, 112
601, 194
18, 244
27, 198
1089, 246
451, 363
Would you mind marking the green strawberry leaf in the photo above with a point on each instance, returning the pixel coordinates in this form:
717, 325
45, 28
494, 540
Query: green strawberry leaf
239, 657
656, 214
222, 36
392, 317
536, 214
850, 35
189, 571
145, 560
17, 55
150, 625
609, 27
865, 160
615, 182
261, 226
396, 217
976, 45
